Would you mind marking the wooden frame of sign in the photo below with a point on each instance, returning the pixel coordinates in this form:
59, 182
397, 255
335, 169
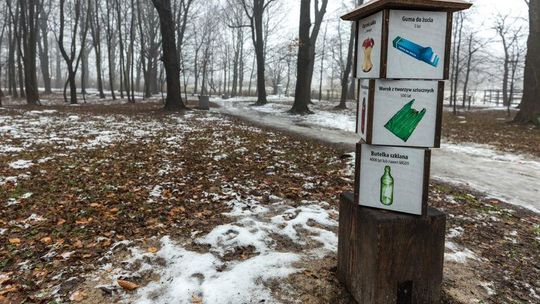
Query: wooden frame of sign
379, 26
411, 196
373, 112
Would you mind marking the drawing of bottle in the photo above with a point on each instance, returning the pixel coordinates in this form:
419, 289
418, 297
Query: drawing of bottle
387, 187
363, 127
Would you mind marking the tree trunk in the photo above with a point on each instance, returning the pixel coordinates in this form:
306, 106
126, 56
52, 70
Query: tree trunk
303, 86
467, 71
110, 51
306, 54
96, 43
28, 26
457, 63
170, 58
259, 51
44, 52
348, 68
530, 105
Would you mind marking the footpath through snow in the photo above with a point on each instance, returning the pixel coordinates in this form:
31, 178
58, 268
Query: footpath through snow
509, 177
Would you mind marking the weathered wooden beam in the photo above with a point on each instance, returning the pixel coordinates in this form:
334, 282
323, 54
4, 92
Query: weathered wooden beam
387, 257
371, 7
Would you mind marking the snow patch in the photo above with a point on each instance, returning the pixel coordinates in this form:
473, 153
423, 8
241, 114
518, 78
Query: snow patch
21, 164
457, 254
189, 275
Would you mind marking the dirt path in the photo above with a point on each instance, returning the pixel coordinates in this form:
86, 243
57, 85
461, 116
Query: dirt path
510, 177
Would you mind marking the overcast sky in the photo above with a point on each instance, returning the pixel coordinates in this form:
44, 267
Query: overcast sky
483, 10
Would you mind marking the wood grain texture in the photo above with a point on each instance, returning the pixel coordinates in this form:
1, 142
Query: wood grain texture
438, 122
384, 43
389, 258
433, 5
449, 23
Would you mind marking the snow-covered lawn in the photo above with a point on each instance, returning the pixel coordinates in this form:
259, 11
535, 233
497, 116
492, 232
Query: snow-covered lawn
201, 208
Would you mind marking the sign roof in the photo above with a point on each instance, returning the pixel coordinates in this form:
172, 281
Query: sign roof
374, 6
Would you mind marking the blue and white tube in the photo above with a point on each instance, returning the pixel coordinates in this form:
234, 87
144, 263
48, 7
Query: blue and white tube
412, 49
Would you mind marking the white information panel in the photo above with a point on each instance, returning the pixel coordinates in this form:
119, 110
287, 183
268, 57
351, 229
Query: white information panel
405, 113
416, 44
392, 178
363, 110
369, 46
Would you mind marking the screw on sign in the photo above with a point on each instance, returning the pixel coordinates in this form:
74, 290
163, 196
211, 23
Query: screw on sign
391, 245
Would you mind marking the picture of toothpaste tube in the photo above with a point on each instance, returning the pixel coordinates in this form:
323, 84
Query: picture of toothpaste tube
412, 49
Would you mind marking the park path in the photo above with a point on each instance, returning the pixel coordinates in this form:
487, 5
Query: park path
512, 178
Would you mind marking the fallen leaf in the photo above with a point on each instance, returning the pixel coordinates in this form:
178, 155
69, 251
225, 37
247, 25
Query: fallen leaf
78, 244
15, 241
127, 285
61, 222
5, 277
196, 299
8, 290
153, 250
46, 240
78, 296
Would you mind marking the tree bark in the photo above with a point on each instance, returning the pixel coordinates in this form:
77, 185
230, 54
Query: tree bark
530, 105
306, 54
170, 57
29, 11
348, 69
95, 30
43, 45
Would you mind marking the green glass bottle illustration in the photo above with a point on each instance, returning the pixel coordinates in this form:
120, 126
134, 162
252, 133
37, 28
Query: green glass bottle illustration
387, 187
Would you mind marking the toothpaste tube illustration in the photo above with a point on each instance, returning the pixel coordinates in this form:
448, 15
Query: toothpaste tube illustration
412, 49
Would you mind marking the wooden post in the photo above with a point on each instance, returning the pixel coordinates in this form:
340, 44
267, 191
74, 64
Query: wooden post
391, 245
387, 257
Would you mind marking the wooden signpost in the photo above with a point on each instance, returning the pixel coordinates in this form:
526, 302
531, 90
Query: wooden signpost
391, 244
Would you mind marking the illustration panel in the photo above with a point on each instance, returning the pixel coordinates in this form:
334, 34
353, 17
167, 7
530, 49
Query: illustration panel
416, 44
368, 63
363, 110
405, 113
392, 178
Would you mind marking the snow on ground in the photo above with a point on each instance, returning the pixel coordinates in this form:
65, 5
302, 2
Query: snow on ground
466, 164
486, 151
185, 275
325, 116
307, 229
34, 129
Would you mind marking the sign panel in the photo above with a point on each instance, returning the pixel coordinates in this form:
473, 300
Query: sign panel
416, 44
369, 46
403, 113
394, 179
363, 109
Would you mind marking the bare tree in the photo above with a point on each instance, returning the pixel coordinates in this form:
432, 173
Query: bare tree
73, 58
95, 32
110, 45
43, 44
456, 59
255, 10
509, 36
27, 46
2, 32
530, 104
170, 55
306, 53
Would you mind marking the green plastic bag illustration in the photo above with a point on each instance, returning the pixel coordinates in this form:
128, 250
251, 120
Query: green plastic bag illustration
404, 122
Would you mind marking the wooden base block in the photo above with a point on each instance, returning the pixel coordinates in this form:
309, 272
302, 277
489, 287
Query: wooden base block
389, 258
